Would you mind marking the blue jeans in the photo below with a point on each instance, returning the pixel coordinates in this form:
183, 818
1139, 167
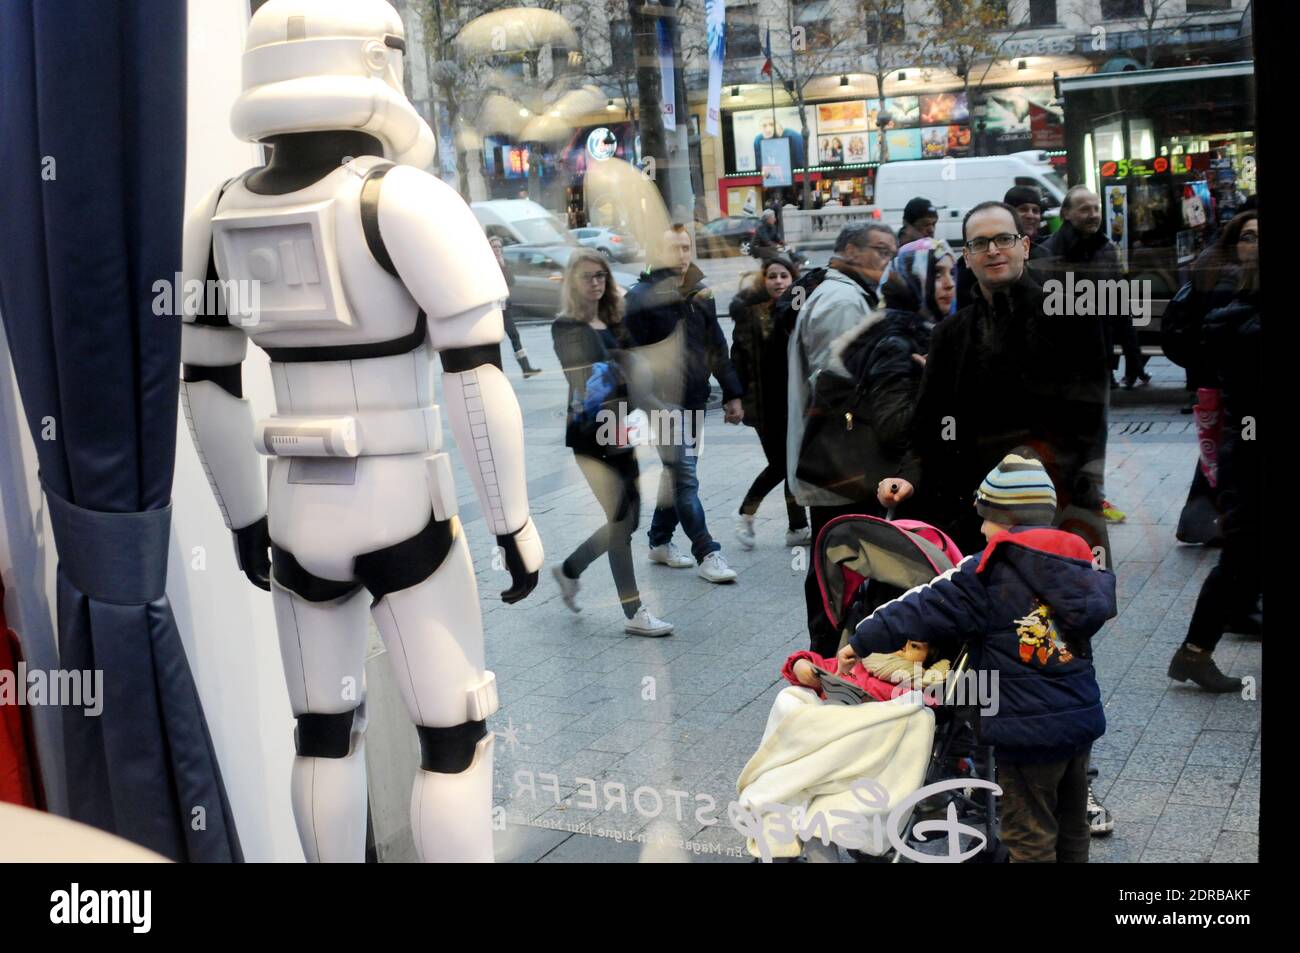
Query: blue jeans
679, 498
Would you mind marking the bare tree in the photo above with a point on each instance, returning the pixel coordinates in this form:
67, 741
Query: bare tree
813, 52
610, 66
967, 33
888, 48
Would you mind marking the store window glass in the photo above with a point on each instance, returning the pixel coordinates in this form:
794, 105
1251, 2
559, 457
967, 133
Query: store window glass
605, 732
744, 36
1042, 12
1122, 9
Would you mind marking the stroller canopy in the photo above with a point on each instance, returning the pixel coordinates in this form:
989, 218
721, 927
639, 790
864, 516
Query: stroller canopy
851, 550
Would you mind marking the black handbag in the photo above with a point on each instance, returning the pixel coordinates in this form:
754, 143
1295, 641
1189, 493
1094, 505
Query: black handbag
838, 439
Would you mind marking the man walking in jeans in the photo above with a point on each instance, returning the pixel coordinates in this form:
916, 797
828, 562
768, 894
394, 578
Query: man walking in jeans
671, 294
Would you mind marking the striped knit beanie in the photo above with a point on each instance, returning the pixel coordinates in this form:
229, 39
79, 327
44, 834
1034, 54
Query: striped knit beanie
1017, 492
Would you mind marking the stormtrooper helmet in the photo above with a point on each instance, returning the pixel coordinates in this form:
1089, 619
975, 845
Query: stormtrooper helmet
322, 65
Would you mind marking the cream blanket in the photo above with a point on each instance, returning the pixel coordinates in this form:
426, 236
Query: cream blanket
810, 755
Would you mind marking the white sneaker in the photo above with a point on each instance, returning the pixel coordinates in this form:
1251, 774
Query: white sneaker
745, 530
715, 569
643, 623
1100, 821
799, 537
669, 555
568, 589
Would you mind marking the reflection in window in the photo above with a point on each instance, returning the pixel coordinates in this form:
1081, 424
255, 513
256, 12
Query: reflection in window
743, 37
1042, 12
890, 21
1122, 9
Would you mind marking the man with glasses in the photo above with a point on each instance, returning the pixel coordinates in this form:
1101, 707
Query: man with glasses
844, 299
671, 295
1003, 377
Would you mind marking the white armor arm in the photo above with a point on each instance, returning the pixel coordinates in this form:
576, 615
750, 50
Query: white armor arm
446, 263
219, 418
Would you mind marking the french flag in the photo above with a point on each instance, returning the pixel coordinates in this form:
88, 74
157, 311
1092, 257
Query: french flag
767, 52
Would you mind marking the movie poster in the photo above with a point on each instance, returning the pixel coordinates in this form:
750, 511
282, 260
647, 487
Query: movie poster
749, 127
934, 142
903, 110
903, 144
858, 147
850, 116
944, 108
958, 141
1025, 116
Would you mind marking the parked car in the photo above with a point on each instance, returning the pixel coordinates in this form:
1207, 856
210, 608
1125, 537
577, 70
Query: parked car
726, 237
539, 275
614, 243
521, 222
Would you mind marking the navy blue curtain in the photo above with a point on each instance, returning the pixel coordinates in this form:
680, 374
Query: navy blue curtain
92, 142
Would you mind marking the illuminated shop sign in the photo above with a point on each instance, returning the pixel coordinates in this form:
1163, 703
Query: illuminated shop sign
1140, 168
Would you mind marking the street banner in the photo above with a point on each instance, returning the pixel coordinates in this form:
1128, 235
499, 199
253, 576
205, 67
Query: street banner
667, 77
715, 19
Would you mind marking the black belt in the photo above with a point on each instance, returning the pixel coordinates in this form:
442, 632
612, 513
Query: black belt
352, 352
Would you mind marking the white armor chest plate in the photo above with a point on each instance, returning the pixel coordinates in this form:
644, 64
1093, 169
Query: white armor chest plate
303, 261
305, 275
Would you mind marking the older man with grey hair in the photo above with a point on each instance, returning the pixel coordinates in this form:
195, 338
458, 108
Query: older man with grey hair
843, 300
767, 237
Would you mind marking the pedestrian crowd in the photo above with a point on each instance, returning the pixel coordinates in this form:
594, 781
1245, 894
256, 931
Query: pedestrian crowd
916, 380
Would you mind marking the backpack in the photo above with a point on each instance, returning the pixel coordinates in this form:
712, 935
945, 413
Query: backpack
1180, 328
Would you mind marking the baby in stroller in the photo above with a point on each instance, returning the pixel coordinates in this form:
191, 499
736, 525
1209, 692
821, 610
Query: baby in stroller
856, 763
1028, 607
882, 675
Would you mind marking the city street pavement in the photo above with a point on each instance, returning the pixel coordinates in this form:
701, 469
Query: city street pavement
656, 731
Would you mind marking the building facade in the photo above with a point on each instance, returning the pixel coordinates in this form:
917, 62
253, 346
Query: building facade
554, 87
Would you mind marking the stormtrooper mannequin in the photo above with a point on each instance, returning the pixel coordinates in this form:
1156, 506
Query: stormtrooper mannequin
365, 266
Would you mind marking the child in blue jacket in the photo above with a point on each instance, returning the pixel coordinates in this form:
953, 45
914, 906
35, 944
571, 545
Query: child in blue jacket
1028, 605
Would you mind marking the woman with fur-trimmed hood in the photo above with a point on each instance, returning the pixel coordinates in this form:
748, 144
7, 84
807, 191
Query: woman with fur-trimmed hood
887, 351
758, 352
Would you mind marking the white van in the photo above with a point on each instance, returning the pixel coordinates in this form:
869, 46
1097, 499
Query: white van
955, 186
521, 222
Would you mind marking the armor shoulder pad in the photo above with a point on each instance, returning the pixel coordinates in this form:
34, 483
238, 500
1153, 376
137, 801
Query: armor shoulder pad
437, 245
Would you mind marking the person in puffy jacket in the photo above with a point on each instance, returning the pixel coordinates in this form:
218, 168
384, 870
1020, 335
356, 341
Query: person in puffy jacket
1216, 276
1229, 597
592, 341
885, 354
1027, 607
758, 352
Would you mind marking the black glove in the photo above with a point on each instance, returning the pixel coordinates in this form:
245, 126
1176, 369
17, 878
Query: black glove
523, 581
253, 552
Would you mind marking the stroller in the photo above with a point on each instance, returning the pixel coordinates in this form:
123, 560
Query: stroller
862, 562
